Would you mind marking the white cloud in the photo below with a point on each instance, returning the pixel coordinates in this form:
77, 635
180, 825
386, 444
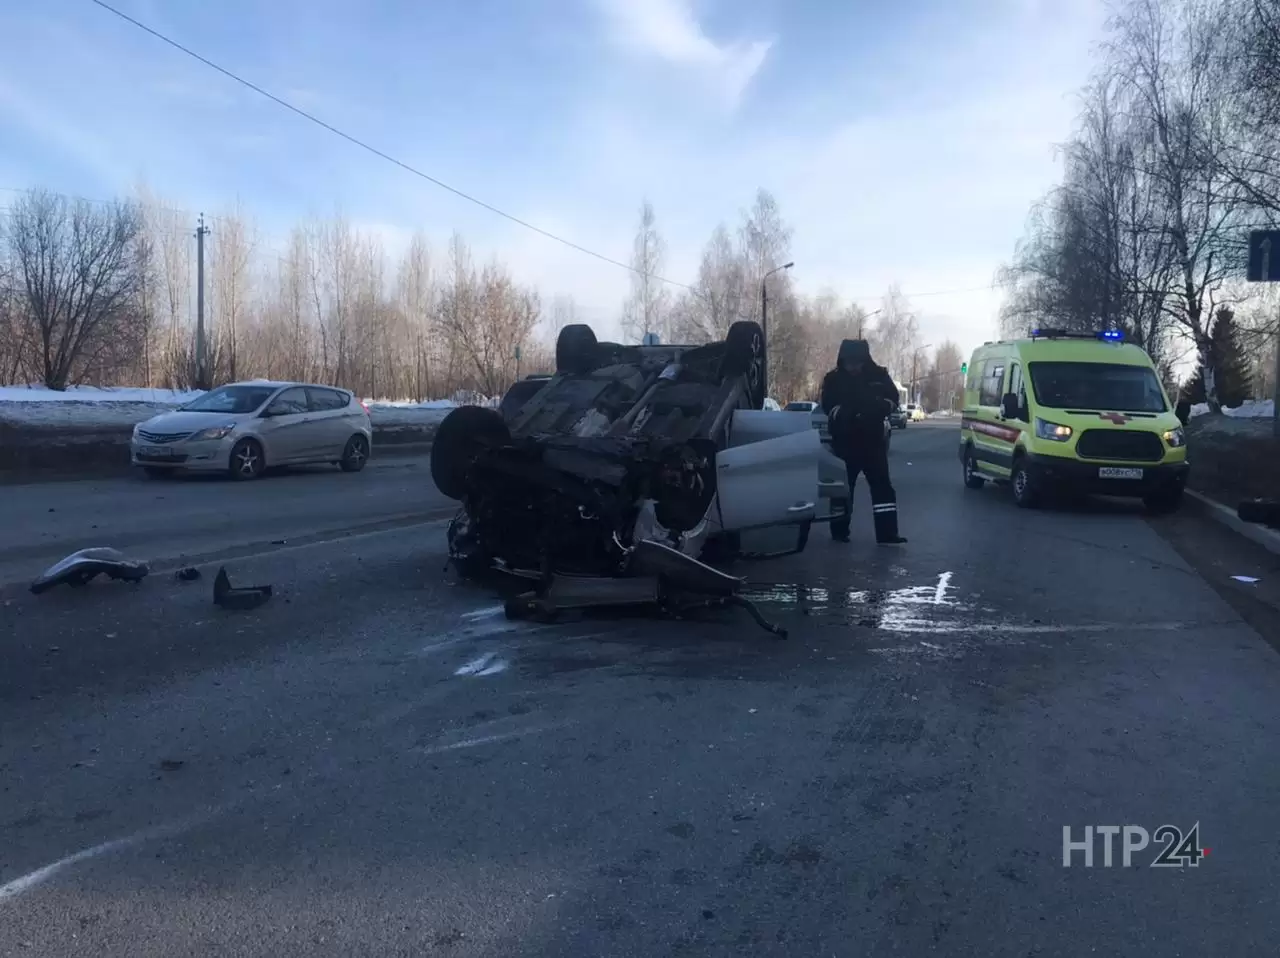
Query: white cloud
669, 30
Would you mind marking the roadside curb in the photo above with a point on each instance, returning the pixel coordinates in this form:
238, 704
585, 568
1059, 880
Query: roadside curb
1269, 539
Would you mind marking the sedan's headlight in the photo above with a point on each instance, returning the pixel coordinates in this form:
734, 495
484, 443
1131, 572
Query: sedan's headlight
217, 432
1051, 430
1175, 437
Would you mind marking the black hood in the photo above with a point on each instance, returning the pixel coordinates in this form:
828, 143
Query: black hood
853, 350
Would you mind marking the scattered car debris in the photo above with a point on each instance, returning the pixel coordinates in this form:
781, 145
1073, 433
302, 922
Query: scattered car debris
1262, 511
80, 567
189, 574
1247, 579
239, 598
604, 483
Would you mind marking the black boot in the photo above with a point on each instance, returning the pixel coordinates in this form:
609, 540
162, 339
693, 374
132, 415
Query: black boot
885, 515
840, 524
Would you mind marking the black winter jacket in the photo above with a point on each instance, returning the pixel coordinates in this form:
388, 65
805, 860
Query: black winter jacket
856, 406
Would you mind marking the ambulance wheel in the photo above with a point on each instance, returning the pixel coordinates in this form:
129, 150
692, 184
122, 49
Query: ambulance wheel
972, 478
1025, 493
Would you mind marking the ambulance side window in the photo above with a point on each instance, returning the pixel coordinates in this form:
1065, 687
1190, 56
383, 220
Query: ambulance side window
1019, 389
992, 379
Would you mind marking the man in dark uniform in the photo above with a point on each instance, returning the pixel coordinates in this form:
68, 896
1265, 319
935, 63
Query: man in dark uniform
857, 396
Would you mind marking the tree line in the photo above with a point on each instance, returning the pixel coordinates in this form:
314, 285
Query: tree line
1172, 162
104, 294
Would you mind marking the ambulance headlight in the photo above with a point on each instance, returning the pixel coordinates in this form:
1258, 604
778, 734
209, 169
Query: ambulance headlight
1052, 431
1175, 438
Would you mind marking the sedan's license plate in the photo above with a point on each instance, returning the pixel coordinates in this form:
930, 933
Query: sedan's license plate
157, 452
1113, 472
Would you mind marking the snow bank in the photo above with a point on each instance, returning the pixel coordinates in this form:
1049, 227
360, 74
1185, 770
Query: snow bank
96, 394
1249, 409
108, 407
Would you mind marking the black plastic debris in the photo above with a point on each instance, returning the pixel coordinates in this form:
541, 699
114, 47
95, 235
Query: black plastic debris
239, 598
1262, 511
189, 574
80, 567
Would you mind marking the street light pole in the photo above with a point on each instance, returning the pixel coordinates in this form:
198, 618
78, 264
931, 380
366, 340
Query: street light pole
764, 318
915, 396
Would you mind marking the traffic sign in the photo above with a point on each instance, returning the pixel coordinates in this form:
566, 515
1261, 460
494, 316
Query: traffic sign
1264, 256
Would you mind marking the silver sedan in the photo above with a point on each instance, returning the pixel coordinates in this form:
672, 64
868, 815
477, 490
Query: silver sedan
244, 428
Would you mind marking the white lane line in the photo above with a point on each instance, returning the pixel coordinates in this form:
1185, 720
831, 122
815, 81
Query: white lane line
491, 739
476, 666
940, 593
32, 880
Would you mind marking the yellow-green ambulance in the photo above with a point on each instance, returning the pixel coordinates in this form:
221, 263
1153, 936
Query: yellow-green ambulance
1077, 413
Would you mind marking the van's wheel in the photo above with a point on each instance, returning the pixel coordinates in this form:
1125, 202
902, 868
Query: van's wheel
355, 455
247, 460
1025, 492
576, 349
1164, 502
462, 435
972, 478
744, 356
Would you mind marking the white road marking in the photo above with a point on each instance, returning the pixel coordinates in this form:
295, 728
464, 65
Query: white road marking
493, 738
32, 880
940, 593
476, 666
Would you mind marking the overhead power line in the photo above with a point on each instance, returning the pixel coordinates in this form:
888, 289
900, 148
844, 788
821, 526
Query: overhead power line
381, 154
377, 152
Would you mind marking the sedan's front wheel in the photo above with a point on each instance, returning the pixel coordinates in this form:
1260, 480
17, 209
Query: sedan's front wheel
247, 461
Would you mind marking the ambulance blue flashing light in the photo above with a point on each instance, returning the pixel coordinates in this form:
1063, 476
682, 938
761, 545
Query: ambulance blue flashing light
1106, 335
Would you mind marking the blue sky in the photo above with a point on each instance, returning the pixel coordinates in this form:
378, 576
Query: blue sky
904, 142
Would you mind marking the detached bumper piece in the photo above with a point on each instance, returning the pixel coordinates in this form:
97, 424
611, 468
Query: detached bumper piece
658, 576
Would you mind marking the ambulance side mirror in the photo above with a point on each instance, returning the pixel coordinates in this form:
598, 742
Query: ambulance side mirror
1010, 408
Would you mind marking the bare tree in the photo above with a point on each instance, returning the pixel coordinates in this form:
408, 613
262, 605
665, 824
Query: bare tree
895, 334
646, 307
416, 295
231, 250
79, 278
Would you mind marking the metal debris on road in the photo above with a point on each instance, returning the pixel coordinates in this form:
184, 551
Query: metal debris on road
189, 574
80, 567
240, 598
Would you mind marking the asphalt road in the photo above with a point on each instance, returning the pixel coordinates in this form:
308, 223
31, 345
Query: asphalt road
377, 763
186, 518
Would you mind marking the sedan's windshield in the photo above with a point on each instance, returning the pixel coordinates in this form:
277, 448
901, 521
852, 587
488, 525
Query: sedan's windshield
231, 399
1097, 386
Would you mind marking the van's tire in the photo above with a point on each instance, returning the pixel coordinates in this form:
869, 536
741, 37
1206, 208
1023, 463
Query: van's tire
972, 478
1025, 491
1163, 502
462, 435
744, 356
576, 349
355, 455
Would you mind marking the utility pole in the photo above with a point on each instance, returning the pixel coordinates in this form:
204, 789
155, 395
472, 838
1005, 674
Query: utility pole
202, 372
764, 318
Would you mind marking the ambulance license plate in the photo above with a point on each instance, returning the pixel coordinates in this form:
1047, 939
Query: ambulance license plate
1114, 472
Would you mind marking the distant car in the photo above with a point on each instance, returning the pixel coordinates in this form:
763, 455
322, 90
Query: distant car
800, 407
915, 412
244, 428
898, 418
